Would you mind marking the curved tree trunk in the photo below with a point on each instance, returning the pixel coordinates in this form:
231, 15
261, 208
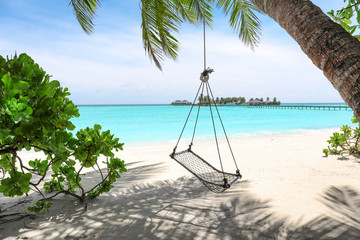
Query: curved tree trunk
327, 44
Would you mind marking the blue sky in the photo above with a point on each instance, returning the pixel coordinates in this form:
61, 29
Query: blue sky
110, 66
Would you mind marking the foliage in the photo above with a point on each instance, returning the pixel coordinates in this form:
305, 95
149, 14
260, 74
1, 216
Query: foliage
162, 18
348, 17
347, 141
35, 114
85, 13
204, 99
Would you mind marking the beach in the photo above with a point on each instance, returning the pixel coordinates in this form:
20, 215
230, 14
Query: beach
289, 190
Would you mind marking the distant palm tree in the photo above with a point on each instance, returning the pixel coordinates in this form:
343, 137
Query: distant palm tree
327, 44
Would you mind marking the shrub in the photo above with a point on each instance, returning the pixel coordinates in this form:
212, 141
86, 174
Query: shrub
347, 141
35, 114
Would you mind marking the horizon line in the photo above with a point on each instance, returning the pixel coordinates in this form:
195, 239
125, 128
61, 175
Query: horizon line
162, 104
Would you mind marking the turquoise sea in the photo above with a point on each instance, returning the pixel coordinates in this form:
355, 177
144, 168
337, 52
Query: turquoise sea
152, 123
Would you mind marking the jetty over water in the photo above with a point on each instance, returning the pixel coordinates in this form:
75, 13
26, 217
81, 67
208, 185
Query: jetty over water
305, 107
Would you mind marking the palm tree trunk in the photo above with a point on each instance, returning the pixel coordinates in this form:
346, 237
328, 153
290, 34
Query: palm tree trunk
327, 44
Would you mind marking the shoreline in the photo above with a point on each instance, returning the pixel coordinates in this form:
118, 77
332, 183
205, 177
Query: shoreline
285, 176
233, 137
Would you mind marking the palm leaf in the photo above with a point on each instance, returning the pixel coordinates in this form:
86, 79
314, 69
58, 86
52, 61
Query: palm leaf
161, 18
84, 11
203, 10
182, 8
243, 20
158, 21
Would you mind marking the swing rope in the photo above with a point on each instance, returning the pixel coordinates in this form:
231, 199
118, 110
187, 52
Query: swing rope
222, 125
197, 116
213, 123
192, 106
200, 168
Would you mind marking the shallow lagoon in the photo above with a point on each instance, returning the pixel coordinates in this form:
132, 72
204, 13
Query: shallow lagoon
147, 123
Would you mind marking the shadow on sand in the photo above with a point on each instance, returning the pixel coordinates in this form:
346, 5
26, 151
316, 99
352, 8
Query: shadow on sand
183, 209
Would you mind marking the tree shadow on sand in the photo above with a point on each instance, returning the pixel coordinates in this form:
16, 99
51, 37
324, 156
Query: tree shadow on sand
184, 209
342, 220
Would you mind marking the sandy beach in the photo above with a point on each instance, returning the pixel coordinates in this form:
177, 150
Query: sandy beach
289, 190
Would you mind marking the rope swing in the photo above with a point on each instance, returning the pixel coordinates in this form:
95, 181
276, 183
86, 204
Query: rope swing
214, 179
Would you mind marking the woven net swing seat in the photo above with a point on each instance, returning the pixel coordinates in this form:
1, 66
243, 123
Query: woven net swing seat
211, 177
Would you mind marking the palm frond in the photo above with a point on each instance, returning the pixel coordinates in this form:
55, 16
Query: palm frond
203, 10
84, 11
243, 20
183, 9
160, 18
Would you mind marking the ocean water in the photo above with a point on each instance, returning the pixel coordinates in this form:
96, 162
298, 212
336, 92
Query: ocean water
152, 123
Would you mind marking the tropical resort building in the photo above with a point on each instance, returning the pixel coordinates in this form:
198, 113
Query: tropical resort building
255, 102
181, 102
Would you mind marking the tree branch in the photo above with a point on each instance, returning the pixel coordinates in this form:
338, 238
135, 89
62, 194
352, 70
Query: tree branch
67, 192
45, 171
102, 176
353, 5
21, 164
77, 181
37, 189
97, 184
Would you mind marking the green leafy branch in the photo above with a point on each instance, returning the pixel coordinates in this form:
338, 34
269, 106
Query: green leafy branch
347, 15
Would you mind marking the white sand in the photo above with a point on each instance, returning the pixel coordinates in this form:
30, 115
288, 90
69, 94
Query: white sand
285, 178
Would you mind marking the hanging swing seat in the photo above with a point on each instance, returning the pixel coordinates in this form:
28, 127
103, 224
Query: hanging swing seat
214, 179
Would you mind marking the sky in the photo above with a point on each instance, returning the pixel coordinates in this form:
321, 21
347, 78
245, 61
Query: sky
111, 67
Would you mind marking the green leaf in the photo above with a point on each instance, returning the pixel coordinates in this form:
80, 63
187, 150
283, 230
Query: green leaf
7, 80
54, 84
4, 133
49, 92
70, 108
26, 71
358, 17
331, 13
347, 21
352, 29
354, 120
21, 85
28, 111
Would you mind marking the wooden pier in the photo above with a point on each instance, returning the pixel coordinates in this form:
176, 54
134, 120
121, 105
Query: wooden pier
304, 107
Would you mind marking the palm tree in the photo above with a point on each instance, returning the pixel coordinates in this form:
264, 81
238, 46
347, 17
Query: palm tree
327, 44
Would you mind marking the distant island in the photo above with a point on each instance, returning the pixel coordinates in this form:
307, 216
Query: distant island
204, 100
